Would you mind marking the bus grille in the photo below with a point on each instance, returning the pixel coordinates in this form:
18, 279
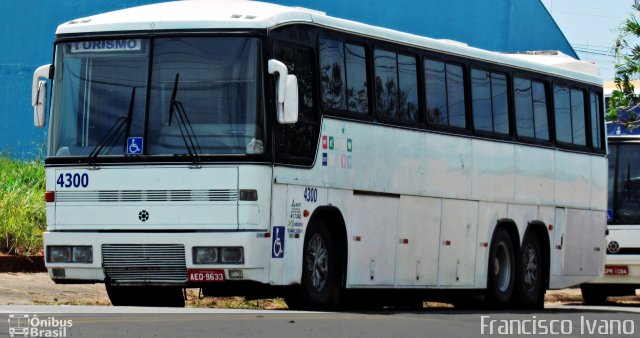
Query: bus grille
215, 195
144, 263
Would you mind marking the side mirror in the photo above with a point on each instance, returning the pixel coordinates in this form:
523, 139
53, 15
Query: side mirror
286, 92
39, 95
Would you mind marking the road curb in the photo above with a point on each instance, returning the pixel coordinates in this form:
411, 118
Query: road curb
22, 264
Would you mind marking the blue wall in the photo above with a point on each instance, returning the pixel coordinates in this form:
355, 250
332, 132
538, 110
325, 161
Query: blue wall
497, 25
29, 27
27, 34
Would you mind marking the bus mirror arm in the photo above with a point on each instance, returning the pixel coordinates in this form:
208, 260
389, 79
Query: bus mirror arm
286, 91
39, 95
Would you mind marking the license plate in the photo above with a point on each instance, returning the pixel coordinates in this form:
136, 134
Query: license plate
616, 270
213, 275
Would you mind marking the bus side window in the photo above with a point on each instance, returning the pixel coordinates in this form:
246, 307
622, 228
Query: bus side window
296, 143
343, 76
396, 86
489, 101
444, 93
569, 115
531, 109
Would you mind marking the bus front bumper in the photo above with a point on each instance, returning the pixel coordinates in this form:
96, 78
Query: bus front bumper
152, 258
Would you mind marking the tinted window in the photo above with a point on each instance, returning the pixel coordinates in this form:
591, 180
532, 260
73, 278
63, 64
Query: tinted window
408, 93
396, 85
570, 115
332, 74
531, 109
436, 92
540, 111
596, 118
523, 99
357, 94
500, 103
386, 83
562, 109
577, 117
444, 92
481, 100
455, 96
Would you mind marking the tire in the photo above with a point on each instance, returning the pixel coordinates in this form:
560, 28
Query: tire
321, 268
530, 274
593, 294
145, 296
502, 270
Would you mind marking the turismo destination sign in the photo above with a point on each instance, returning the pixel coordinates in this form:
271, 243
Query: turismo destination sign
122, 45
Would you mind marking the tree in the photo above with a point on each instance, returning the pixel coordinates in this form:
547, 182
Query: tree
627, 51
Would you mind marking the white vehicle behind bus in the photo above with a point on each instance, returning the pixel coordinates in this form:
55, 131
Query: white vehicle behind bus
253, 149
622, 269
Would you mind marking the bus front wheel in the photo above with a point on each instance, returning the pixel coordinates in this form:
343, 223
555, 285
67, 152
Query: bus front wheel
501, 274
321, 268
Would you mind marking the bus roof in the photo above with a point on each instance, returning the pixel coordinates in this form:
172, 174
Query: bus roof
243, 14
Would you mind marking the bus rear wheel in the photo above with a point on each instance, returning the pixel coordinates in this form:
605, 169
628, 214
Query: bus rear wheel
321, 268
501, 273
530, 276
145, 296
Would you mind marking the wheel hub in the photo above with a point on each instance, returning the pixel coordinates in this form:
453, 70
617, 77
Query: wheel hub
530, 262
502, 267
317, 262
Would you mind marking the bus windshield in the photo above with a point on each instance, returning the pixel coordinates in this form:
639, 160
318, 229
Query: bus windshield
199, 90
624, 183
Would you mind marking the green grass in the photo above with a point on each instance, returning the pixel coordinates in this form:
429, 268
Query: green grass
22, 206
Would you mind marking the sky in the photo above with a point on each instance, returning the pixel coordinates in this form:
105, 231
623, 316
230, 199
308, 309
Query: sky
591, 26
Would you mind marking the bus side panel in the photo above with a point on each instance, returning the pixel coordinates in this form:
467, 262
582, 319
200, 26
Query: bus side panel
534, 175
372, 258
573, 180
448, 166
456, 266
493, 173
584, 243
418, 241
399, 160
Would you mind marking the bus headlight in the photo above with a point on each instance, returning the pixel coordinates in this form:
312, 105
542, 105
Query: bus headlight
232, 255
205, 255
69, 254
218, 255
58, 254
82, 254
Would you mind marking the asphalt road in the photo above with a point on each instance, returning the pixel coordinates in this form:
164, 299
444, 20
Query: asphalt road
98, 322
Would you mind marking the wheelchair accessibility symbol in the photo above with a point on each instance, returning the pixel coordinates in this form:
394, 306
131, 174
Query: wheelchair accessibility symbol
277, 245
134, 146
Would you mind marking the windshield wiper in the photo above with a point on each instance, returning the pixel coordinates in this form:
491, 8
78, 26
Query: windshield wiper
122, 125
184, 125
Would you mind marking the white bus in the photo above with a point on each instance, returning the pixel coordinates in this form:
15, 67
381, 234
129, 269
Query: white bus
248, 148
622, 269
